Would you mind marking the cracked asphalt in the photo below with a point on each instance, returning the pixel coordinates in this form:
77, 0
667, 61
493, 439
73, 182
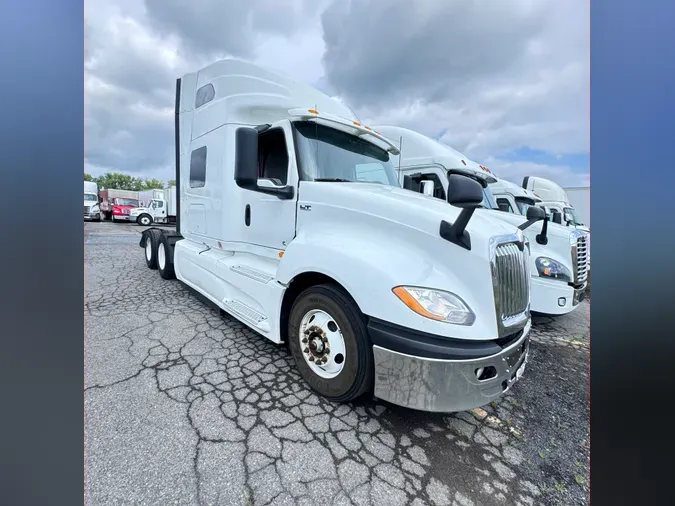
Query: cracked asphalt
185, 405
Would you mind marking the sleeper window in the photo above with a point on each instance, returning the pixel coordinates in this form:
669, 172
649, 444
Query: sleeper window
198, 168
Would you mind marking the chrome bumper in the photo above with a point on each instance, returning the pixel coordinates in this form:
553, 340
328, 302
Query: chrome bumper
430, 384
579, 294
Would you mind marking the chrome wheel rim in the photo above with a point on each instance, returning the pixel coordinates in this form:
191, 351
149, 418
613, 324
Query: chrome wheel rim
322, 344
161, 256
148, 249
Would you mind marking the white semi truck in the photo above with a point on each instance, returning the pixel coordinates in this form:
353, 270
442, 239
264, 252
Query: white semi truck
580, 201
92, 210
290, 218
558, 254
555, 198
514, 199
160, 207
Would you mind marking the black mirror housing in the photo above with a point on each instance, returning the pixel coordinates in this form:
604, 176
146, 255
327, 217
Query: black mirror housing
464, 191
535, 213
246, 158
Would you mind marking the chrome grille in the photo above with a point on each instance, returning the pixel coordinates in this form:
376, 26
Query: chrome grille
512, 279
511, 284
580, 257
86, 209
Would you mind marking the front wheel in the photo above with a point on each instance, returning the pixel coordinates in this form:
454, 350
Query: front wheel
144, 220
330, 344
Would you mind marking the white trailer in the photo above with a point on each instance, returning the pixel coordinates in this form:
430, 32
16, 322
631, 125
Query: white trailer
290, 218
92, 210
159, 209
558, 255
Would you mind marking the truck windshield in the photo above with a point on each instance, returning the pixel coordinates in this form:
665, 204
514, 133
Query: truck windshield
523, 204
90, 197
126, 202
327, 154
571, 213
488, 199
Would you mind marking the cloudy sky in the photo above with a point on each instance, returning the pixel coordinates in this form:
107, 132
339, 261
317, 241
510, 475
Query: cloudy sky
505, 82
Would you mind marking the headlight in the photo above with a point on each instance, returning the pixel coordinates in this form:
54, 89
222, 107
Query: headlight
549, 268
436, 304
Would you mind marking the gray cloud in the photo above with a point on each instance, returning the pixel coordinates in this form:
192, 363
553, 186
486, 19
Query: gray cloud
379, 50
228, 27
488, 80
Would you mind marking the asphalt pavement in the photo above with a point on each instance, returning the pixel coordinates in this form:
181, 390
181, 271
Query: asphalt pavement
185, 405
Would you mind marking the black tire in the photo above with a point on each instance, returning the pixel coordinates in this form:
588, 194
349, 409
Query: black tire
166, 270
152, 236
145, 220
356, 378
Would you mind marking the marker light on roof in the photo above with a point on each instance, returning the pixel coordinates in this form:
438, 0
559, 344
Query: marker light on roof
313, 111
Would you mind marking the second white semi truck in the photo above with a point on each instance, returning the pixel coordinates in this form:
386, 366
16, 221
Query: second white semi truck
290, 218
558, 254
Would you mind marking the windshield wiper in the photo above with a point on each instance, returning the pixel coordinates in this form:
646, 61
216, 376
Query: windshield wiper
333, 180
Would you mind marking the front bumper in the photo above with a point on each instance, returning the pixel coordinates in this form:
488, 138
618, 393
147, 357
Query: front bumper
430, 383
92, 216
123, 217
554, 297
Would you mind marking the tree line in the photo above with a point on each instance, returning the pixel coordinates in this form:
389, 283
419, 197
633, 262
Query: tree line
119, 181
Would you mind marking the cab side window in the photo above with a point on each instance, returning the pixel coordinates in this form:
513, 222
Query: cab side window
273, 156
504, 205
556, 216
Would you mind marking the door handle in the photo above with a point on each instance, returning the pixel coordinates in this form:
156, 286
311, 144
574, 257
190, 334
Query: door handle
247, 215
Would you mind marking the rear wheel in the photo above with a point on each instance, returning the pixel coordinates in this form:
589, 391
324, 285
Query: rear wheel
330, 343
165, 258
151, 243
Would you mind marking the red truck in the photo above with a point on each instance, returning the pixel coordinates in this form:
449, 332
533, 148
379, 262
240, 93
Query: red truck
116, 204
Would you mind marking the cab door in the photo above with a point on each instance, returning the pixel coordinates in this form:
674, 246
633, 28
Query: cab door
268, 220
158, 209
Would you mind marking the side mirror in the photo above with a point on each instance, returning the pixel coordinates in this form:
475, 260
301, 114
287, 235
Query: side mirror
464, 192
535, 213
428, 188
246, 158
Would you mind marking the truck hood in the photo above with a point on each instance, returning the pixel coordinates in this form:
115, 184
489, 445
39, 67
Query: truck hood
89, 203
138, 210
398, 205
